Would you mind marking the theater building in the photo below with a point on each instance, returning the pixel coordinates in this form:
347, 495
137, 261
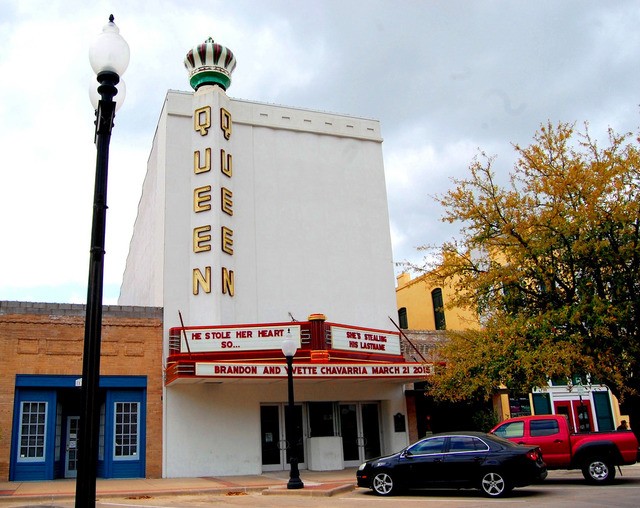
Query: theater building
258, 222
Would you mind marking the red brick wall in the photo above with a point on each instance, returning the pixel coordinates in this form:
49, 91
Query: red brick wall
40, 338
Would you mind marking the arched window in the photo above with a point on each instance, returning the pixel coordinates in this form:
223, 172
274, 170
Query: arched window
438, 309
402, 318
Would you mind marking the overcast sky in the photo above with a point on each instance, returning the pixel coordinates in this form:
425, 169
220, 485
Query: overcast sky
445, 78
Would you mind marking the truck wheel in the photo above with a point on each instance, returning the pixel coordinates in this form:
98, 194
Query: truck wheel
599, 471
494, 484
382, 484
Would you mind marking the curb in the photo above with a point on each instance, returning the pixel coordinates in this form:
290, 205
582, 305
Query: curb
315, 491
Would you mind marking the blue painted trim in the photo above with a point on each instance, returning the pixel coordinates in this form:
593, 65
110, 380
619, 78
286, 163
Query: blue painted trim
69, 381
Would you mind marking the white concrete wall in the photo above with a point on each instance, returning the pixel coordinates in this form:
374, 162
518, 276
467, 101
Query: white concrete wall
145, 274
214, 429
310, 221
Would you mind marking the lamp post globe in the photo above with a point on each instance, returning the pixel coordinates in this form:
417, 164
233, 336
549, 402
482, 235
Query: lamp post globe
109, 52
109, 58
289, 348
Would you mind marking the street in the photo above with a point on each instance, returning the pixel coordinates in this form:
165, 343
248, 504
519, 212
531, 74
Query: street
560, 489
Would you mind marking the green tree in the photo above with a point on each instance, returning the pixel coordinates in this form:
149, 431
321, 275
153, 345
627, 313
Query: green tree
551, 264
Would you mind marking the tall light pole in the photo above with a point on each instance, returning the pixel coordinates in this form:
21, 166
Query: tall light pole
109, 57
289, 348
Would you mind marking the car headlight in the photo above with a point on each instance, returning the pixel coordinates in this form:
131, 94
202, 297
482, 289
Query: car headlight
362, 466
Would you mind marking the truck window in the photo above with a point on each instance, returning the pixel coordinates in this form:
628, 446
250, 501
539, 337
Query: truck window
508, 430
544, 427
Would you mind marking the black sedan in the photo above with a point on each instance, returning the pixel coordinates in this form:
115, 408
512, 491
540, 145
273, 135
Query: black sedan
456, 459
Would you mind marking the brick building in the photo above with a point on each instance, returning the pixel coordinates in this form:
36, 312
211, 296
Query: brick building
41, 363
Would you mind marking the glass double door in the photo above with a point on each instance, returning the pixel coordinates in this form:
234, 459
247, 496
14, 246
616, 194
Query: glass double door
358, 423
360, 431
276, 437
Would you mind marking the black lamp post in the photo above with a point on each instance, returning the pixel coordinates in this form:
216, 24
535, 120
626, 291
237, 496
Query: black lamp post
289, 348
109, 57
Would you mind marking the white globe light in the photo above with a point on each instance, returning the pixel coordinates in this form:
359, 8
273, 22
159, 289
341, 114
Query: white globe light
289, 346
109, 52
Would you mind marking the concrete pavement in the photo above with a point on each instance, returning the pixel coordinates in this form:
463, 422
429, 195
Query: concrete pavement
316, 483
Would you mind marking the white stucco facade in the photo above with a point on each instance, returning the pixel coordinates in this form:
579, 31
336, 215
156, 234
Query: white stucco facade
310, 221
294, 223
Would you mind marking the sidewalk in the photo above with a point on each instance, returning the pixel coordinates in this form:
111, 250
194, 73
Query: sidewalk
316, 483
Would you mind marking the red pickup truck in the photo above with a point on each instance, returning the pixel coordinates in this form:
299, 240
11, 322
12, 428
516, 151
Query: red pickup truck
595, 453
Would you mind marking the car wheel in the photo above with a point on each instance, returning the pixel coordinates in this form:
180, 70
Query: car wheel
494, 484
599, 471
382, 484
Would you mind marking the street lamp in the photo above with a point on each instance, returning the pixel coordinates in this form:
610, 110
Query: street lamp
289, 348
109, 57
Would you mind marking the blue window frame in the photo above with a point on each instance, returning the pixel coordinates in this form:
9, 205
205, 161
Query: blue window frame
126, 432
33, 431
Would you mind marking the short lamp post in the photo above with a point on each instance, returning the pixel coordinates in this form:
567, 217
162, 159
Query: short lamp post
289, 348
109, 57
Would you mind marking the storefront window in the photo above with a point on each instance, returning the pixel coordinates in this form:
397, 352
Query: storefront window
321, 419
126, 430
33, 419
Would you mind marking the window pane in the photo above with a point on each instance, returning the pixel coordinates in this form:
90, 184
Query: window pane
515, 429
438, 309
432, 445
402, 318
32, 430
126, 430
321, 419
462, 444
544, 427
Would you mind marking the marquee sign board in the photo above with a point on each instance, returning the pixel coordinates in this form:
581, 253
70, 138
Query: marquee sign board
313, 371
362, 340
237, 338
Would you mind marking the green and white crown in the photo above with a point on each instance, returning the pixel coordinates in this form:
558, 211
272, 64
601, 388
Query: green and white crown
210, 63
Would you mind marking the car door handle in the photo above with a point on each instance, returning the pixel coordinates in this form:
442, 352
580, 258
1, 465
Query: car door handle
557, 440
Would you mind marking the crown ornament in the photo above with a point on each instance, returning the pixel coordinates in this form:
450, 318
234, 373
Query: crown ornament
210, 63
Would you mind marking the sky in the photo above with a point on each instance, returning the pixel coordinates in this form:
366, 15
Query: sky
446, 79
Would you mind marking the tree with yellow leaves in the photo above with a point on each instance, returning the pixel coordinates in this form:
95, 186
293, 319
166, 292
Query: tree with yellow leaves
551, 265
